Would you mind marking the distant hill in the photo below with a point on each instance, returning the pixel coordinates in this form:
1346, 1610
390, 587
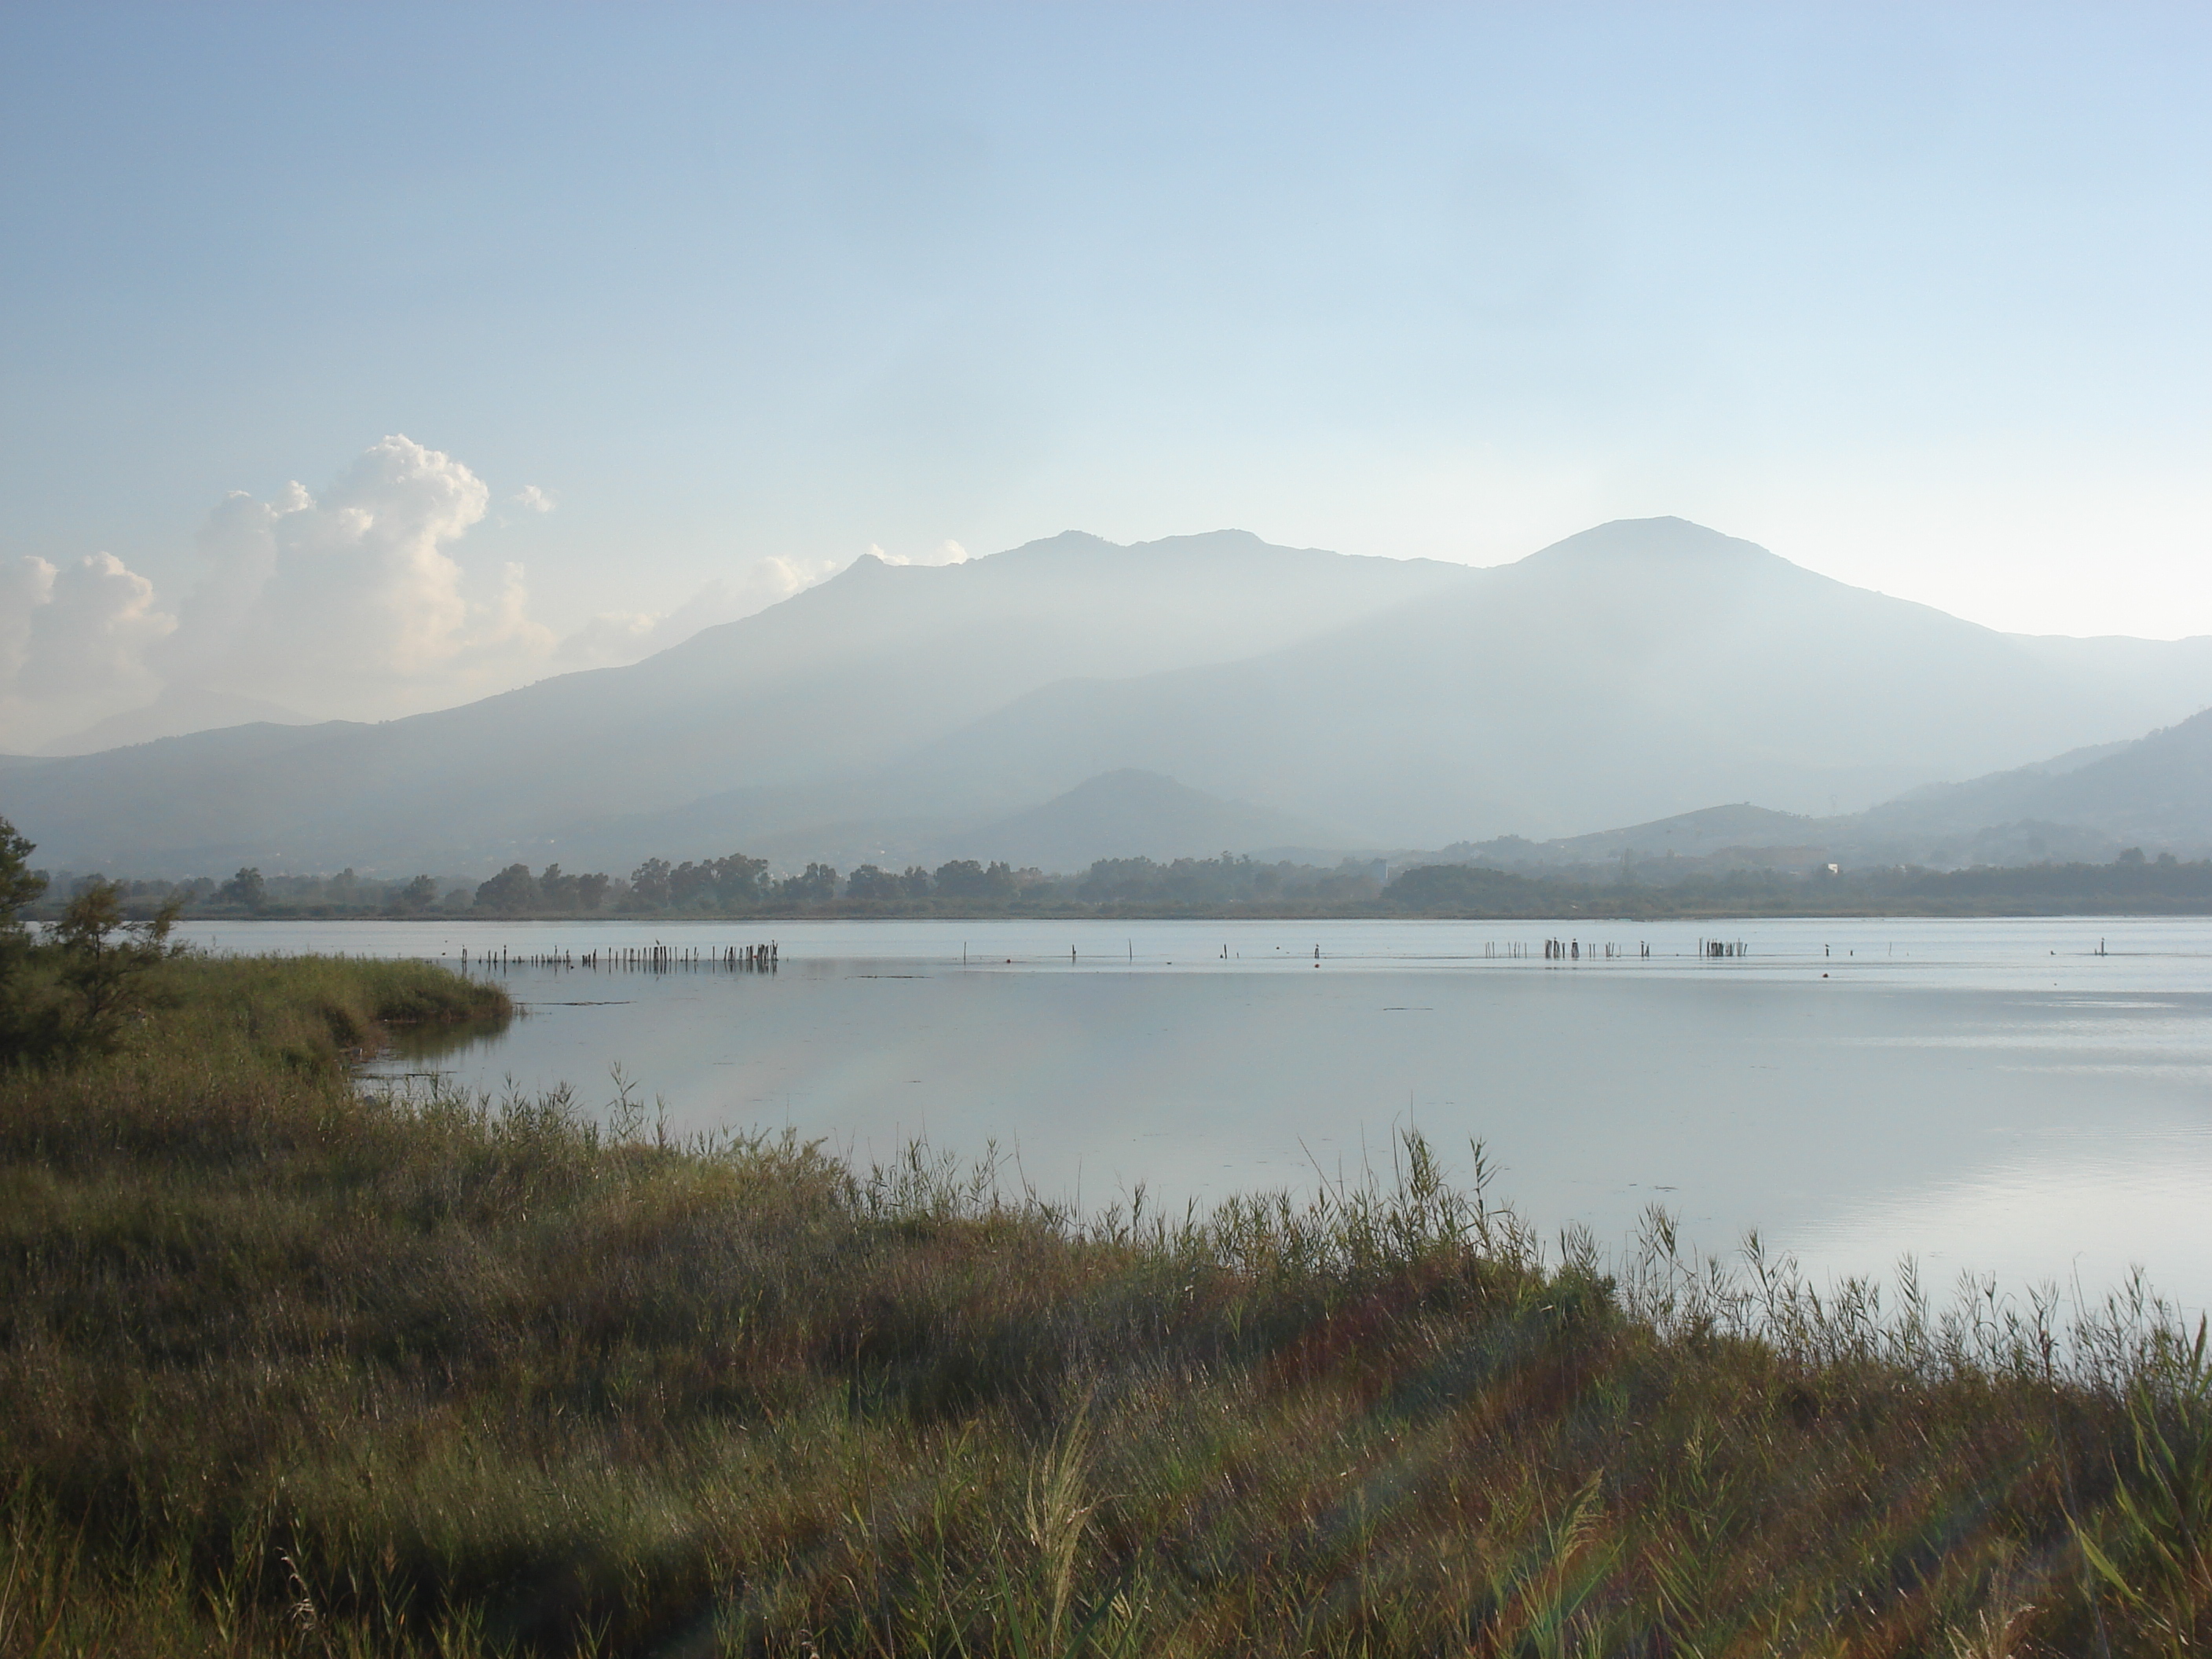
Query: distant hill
2157, 792
1686, 834
2085, 805
1633, 674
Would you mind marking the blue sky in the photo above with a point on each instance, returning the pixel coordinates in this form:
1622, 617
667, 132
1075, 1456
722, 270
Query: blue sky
1914, 296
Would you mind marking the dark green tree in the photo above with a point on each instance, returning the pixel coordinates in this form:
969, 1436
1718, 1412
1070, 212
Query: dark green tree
817, 885
247, 888
738, 880
19, 885
964, 879
871, 881
649, 888
512, 892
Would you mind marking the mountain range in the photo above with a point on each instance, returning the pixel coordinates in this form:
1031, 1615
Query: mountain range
1073, 699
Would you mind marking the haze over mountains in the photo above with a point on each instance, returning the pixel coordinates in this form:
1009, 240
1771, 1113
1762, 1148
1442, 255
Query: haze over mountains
1199, 693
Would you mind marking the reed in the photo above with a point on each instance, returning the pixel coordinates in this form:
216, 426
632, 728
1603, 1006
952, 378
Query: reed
290, 1368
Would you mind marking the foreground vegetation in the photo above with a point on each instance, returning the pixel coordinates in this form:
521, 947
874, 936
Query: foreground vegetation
288, 1369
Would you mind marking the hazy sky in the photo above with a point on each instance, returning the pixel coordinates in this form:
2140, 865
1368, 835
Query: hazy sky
670, 298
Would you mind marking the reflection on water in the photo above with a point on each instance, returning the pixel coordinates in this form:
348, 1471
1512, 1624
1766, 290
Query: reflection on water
441, 1046
2033, 1099
2094, 1202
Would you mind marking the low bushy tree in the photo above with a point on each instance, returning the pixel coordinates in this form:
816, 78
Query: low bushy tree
102, 955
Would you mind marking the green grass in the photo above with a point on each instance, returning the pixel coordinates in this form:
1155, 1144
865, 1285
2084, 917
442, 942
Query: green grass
285, 1369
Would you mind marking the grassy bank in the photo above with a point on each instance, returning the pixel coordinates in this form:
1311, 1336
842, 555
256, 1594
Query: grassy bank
286, 1369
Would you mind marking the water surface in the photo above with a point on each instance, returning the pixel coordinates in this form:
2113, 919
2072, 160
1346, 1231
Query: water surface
2027, 1098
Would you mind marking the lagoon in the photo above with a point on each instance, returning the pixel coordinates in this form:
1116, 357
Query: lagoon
2030, 1099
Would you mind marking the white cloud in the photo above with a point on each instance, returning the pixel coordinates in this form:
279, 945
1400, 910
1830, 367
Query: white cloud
620, 637
530, 499
946, 552
349, 604
73, 645
352, 603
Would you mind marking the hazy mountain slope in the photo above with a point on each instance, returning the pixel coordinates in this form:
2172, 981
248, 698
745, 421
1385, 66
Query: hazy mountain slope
1131, 814
177, 791
176, 714
838, 680
1723, 837
1686, 834
1641, 668
2156, 792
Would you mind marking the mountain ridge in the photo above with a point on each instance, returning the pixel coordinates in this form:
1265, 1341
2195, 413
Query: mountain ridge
1637, 669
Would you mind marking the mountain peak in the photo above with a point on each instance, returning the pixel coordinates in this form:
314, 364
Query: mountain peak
1669, 540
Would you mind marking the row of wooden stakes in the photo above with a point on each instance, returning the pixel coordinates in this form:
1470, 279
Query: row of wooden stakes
653, 958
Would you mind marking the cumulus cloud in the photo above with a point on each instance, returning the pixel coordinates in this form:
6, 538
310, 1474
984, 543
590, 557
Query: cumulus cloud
351, 604
74, 642
530, 499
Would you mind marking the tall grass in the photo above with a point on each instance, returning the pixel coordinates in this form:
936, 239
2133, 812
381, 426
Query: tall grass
288, 1368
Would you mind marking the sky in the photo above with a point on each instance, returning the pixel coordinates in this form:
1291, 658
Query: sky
361, 359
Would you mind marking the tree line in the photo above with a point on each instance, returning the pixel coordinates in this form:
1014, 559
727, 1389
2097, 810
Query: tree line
739, 884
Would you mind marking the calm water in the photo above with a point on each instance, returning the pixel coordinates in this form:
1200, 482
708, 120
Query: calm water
2027, 1098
